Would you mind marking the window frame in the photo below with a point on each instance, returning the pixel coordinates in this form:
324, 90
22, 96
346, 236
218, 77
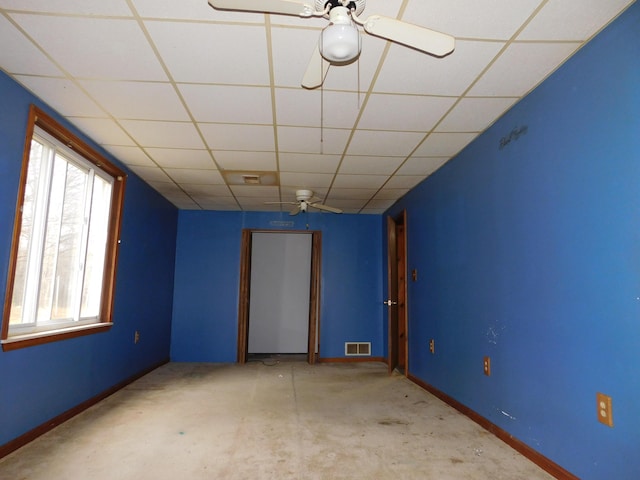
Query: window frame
45, 122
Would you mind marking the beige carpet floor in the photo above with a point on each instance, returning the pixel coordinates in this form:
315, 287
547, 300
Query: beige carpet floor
269, 420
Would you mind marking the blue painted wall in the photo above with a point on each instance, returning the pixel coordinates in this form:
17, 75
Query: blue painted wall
530, 254
205, 308
39, 383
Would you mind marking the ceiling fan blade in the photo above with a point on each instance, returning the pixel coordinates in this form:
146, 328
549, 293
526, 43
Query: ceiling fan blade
295, 211
316, 70
284, 7
326, 208
420, 38
280, 203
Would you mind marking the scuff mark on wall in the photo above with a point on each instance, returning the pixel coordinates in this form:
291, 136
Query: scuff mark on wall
492, 336
493, 333
507, 415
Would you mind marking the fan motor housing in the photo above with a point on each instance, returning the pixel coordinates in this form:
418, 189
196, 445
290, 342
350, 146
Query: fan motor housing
357, 5
303, 195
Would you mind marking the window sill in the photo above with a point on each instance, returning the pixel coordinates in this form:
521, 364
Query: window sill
30, 339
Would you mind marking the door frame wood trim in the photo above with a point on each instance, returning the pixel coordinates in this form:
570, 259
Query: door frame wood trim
245, 292
392, 293
243, 305
405, 298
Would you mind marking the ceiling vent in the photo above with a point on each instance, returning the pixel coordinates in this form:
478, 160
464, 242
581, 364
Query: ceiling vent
239, 177
251, 179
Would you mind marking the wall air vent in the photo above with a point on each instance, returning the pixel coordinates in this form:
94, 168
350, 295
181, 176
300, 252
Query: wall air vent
357, 349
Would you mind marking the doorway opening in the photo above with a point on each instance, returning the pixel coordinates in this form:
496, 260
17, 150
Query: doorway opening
279, 302
397, 349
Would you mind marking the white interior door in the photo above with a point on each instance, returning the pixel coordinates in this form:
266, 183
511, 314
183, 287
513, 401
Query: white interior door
279, 292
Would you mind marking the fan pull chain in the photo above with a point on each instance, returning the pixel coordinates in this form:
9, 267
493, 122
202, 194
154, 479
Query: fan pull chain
321, 119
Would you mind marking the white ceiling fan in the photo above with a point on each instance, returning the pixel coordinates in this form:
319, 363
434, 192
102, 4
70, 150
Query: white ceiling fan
304, 201
339, 42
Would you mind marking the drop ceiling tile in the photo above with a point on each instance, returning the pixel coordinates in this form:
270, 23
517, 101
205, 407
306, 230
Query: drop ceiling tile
182, 202
404, 112
23, 57
352, 205
298, 22
259, 203
387, 8
217, 203
90, 47
256, 191
359, 181
228, 104
197, 52
138, 100
230, 16
71, 7
288, 193
351, 193
475, 114
291, 49
306, 180
312, 140
181, 158
379, 204
238, 137
199, 190
354, 164
409, 71
131, 155
178, 198
496, 19
254, 161
572, 19
168, 188
223, 208
444, 144
102, 131
189, 175
392, 144
391, 193
404, 181
150, 174
198, 10
308, 162
63, 95
421, 165
307, 108
521, 67
163, 134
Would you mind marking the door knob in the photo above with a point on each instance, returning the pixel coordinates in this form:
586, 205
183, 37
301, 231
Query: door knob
388, 303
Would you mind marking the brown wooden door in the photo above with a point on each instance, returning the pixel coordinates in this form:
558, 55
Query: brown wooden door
398, 350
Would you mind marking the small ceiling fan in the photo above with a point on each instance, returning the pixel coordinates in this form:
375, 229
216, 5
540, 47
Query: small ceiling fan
339, 42
304, 201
